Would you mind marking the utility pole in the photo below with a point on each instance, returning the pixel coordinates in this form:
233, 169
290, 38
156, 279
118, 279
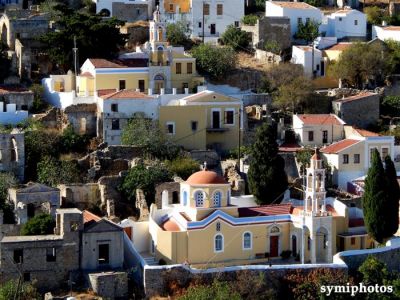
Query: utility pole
239, 125
75, 50
203, 22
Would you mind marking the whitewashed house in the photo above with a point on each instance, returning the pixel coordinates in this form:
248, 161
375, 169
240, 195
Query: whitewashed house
386, 33
346, 23
312, 61
297, 12
216, 15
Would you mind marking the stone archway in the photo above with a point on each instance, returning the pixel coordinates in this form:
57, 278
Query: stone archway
159, 83
322, 245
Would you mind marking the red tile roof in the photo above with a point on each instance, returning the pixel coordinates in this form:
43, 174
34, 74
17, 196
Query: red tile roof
205, 177
88, 216
392, 28
5, 89
356, 97
86, 74
339, 46
366, 133
298, 210
170, 225
296, 5
105, 92
289, 147
126, 94
319, 119
339, 146
104, 63
265, 210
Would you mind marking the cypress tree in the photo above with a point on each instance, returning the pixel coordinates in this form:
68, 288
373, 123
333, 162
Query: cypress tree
267, 176
376, 200
393, 194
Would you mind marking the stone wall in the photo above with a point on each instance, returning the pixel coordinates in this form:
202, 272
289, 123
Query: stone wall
171, 188
109, 285
130, 12
23, 99
138, 33
82, 118
79, 195
158, 278
12, 153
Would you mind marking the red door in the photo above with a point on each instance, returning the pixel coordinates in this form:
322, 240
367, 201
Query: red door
273, 246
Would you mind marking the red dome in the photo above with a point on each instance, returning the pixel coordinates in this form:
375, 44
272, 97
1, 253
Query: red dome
205, 177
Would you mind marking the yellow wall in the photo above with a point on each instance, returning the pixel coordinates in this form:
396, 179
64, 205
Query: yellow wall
86, 86
171, 246
332, 54
111, 81
183, 4
184, 77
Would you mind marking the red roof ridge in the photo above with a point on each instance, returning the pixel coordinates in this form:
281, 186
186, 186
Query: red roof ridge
126, 94
89, 216
339, 146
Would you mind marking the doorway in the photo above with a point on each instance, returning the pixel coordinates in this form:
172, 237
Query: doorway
212, 29
216, 119
273, 246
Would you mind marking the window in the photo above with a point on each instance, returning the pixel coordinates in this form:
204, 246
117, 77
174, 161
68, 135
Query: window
141, 85
138, 11
218, 226
307, 20
189, 68
18, 256
220, 9
317, 67
27, 276
247, 240
356, 158
385, 152
199, 198
345, 158
185, 196
194, 125
275, 229
299, 21
308, 243
115, 124
171, 7
51, 254
178, 68
104, 257
340, 19
206, 9
324, 136
237, 24
219, 243
122, 84
217, 199
310, 136
353, 240
355, 22
199, 24
114, 107
170, 128
229, 117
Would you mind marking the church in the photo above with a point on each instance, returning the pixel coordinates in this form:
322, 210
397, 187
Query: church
207, 227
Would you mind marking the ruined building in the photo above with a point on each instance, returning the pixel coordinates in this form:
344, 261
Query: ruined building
12, 153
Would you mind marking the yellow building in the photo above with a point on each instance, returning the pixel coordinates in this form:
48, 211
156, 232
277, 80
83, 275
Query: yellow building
204, 120
205, 228
177, 6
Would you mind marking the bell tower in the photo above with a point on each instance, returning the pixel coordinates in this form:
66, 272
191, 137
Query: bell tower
315, 188
158, 31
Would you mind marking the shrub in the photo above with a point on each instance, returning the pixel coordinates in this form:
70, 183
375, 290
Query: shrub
183, 167
218, 290
73, 142
52, 171
236, 38
249, 20
39, 225
12, 290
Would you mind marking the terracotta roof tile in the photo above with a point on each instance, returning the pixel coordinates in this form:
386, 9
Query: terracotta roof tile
289, 147
265, 210
105, 92
355, 97
86, 74
5, 89
339, 47
339, 146
205, 177
366, 133
88, 216
127, 94
104, 63
296, 5
392, 28
319, 119
170, 225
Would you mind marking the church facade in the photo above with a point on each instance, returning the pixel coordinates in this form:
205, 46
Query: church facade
205, 228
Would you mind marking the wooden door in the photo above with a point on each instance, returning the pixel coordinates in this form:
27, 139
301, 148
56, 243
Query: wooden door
273, 246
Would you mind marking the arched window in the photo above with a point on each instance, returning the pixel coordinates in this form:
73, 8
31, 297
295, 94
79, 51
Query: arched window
199, 198
185, 198
217, 199
219, 243
13, 150
247, 241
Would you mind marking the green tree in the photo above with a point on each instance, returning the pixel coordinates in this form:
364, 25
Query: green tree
39, 225
390, 106
267, 177
360, 64
183, 167
90, 32
236, 38
5, 63
308, 31
14, 290
73, 142
145, 178
249, 20
176, 35
393, 56
376, 201
52, 172
393, 192
374, 14
215, 61
39, 105
146, 133
373, 271
272, 46
7, 181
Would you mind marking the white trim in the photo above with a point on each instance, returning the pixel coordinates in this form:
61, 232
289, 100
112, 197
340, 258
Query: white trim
194, 197
215, 244
211, 119
234, 118
251, 241
220, 199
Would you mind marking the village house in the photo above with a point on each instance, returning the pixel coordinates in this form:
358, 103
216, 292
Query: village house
318, 129
176, 11
126, 10
350, 158
233, 234
385, 33
81, 242
360, 110
297, 12
33, 199
12, 153
310, 58
345, 24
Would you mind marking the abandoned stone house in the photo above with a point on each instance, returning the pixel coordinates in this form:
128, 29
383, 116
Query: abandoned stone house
12, 153
21, 97
82, 118
19, 30
82, 242
32, 199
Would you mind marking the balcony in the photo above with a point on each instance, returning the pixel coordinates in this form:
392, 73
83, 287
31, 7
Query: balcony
217, 129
